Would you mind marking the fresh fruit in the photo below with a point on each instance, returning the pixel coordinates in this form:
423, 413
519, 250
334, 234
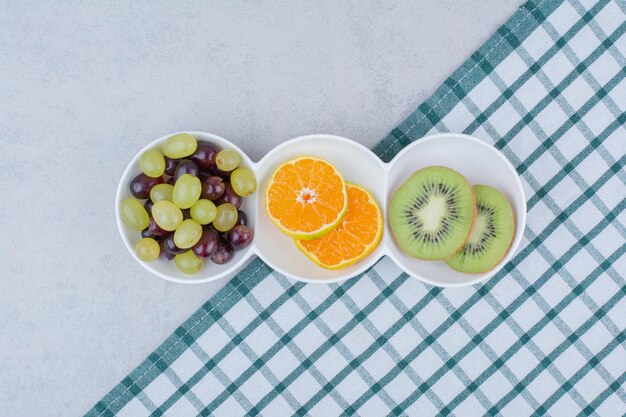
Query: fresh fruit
164, 253
187, 234
213, 188
222, 174
243, 182
147, 233
161, 192
152, 163
242, 218
208, 243
306, 198
239, 237
186, 166
147, 249
171, 219
170, 165
491, 235
204, 211
187, 191
227, 160
204, 156
230, 196
222, 254
167, 215
170, 245
225, 217
179, 146
188, 263
148, 206
141, 185
155, 230
133, 214
432, 212
356, 236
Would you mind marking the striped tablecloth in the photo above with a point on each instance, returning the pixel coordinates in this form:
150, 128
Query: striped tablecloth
545, 336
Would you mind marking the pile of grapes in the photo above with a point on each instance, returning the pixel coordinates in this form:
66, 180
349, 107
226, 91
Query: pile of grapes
193, 193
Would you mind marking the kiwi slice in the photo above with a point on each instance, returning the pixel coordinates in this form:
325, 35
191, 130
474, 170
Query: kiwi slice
432, 212
491, 235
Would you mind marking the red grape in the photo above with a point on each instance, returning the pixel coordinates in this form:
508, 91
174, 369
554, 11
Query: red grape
203, 176
222, 254
147, 233
170, 165
165, 254
242, 218
148, 206
222, 174
213, 188
141, 185
169, 245
208, 243
186, 167
239, 236
156, 230
230, 196
204, 156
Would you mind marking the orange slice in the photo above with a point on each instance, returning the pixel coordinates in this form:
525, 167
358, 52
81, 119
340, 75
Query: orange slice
306, 198
356, 236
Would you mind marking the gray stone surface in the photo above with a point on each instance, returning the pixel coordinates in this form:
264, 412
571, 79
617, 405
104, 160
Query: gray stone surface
83, 86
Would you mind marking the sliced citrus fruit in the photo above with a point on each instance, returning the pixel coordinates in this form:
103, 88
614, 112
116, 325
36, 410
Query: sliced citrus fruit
306, 198
356, 236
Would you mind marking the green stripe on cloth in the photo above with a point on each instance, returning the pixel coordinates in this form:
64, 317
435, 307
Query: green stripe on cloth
545, 336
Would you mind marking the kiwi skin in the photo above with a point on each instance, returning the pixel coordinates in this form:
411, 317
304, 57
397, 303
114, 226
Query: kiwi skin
509, 246
513, 232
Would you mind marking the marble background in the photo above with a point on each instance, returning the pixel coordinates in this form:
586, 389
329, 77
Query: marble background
85, 85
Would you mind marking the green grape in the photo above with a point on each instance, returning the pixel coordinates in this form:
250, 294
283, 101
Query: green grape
152, 163
225, 217
134, 215
203, 211
187, 191
166, 215
161, 192
188, 263
147, 249
187, 234
227, 159
243, 182
179, 146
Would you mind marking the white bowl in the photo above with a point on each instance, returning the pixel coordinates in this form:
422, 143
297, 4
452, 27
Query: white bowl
167, 269
356, 163
478, 161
